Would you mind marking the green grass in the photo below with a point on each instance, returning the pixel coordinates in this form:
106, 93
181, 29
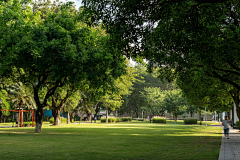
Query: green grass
125, 140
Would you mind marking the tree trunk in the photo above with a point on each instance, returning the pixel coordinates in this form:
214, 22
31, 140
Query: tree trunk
88, 116
68, 118
56, 115
200, 118
39, 120
106, 114
175, 118
191, 114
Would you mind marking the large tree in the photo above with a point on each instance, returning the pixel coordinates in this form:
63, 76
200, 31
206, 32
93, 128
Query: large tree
178, 36
56, 51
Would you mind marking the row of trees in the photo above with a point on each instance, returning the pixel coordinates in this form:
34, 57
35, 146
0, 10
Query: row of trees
194, 42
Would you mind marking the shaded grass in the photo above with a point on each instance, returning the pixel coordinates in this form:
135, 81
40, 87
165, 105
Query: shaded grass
112, 141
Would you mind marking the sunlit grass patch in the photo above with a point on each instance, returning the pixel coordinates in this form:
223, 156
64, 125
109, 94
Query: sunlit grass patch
112, 141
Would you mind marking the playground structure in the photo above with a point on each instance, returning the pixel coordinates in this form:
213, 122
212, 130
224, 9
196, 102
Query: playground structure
21, 114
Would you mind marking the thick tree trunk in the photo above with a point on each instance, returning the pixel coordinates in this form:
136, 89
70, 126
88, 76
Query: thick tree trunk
56, 115
39, 120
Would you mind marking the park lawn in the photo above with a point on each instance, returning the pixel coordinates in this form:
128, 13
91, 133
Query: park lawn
112, 141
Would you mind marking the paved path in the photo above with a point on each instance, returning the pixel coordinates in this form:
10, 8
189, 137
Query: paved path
230, 148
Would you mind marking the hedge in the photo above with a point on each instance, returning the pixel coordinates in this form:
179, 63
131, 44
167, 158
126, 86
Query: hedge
27, 123
110, 120
159, 120
118, 119
124, 119
237, 124
51, 120
62, 120
190, 121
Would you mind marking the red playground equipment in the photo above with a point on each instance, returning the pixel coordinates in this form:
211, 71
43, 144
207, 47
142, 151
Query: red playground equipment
21, 114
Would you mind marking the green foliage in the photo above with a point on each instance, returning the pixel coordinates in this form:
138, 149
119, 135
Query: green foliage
190, 121
63, 120
51, 120
118, 119
175, 103
237, 124
9, 119
28, 123
126, 119
5, 104
159, 120
110, 120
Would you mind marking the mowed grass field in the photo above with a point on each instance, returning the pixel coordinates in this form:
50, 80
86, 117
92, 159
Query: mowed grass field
129, 140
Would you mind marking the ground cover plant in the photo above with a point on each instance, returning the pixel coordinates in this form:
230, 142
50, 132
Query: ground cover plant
190, 121
131, 140
159, 120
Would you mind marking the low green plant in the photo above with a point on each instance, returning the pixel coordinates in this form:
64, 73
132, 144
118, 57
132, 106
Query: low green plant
159, 120
190, 121
103, 120
237, 124
118, 119
126, 119
9, 119
51, 120
140, 119
110, 120
28, 123
63, 120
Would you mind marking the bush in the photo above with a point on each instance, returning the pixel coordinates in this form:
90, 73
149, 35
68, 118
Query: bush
190, 121
103, 120
126, 119
51, 120
140, 120
9, 119
159, 120
62, 120
27, 123
110, 120
118, 119
237, 124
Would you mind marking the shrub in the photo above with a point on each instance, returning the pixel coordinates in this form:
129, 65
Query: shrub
51, 120
9, 119
28, 123
126, 119
159, 120
190, 121
237, 124
118, 119
110, 120
103, 120
140, 120
63, 120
